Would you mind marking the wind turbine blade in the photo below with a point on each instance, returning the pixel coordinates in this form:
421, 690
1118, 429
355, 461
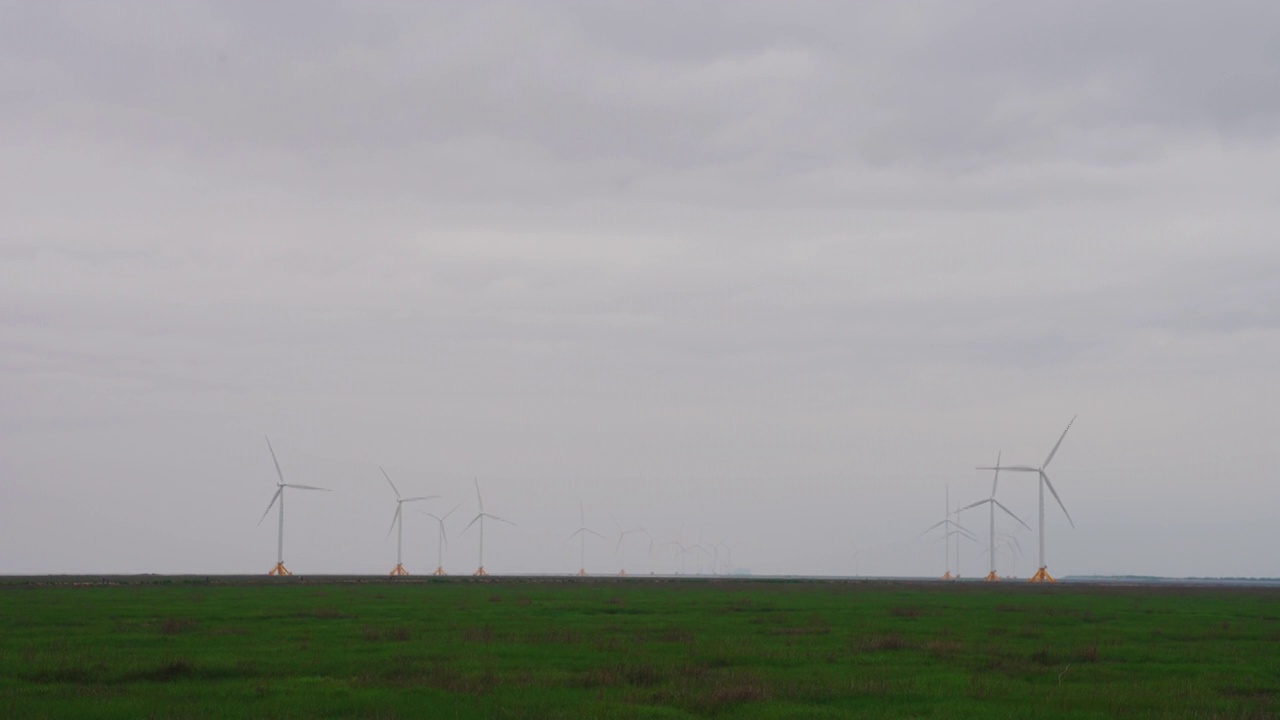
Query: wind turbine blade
420, 497
1054, 451
455, 507
479, 499
271, 504
394, 519
974, 505
1045, 477
574, 534
593, 532
1010, 513
618, 547
306, 487
274, 461
1012, 468
394, 489
495, 517
931, 527
996, 479
444, 539
473, 522
582, 514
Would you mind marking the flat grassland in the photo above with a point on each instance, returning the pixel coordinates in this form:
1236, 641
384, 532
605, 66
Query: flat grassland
546, 648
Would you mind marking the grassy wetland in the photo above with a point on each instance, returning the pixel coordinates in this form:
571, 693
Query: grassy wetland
545, 648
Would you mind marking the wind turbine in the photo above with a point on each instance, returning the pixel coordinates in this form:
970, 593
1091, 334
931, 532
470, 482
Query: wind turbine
992, 503
480, 518
280, 569
951, 528
397, 522
581, 533
442, 541
651, 543
681, 551
620, 551
1011, 544
1042, 575
728, 563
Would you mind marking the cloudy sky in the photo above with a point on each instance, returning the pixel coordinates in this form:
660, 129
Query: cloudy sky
776, 274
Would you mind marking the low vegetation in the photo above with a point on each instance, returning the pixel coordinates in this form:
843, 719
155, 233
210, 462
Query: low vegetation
634, 649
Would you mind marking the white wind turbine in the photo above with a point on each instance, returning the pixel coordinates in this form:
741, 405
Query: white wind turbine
581, 534
480, 518
992, 503
651, 544
1010, 544
1042, 575
728, 563
951, 527
280, 569
442, 541
620, 551
397, 522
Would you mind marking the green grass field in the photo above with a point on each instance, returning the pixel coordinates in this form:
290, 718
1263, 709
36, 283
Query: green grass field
635, 648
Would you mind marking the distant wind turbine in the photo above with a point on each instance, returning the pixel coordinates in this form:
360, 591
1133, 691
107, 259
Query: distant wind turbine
728, 563
992, 504
1042, 575
951, 527
581, 534
480, 518
619, 550
442, 540
397, 522
280, 569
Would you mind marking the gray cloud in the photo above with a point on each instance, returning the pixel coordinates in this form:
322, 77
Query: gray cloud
735, 266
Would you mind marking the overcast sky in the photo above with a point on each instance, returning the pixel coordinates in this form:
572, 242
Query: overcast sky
769, 273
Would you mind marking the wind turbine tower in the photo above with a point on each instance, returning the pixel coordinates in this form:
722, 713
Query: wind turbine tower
397, 522
992, 504
480, 572
1042, 575
280, 569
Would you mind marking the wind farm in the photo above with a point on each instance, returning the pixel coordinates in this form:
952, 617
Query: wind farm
672, 555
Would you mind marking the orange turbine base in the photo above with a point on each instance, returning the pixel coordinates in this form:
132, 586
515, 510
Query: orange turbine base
480, 572
1041, 576
992, 577
440, 571
582, 572
399, 571
948, 576
279, 569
